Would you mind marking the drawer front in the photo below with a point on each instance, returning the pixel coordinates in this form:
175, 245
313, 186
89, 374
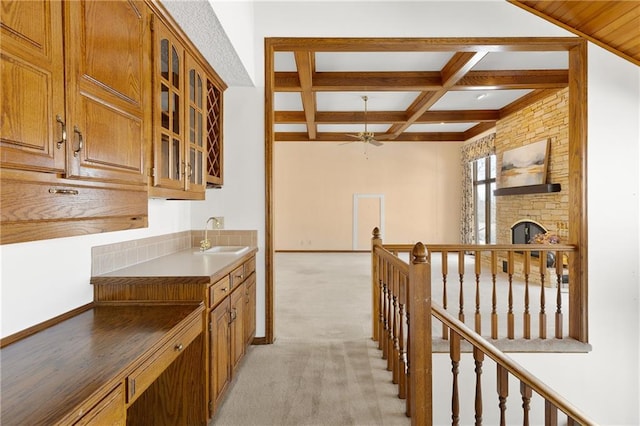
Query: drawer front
219, 291
237, 276
144, 376
30, 201
109, 411
249, 266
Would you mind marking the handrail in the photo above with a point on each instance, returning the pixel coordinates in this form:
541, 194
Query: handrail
406, 248
402, 311
512, 366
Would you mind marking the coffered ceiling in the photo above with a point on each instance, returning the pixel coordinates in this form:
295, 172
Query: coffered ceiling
424, 90
419, 90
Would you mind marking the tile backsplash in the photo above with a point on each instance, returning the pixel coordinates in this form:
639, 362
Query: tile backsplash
111, 257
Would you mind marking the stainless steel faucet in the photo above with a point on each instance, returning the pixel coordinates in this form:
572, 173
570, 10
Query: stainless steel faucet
206, 244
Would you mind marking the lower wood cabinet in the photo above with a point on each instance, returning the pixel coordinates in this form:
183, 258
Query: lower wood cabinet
229, 320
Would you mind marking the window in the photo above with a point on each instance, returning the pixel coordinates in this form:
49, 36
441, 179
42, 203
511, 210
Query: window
484, 183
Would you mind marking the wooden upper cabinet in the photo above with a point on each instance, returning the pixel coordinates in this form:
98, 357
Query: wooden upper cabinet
107, 88
32, 81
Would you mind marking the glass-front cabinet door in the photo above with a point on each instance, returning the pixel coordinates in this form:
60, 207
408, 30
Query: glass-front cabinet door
169, 153
196, 118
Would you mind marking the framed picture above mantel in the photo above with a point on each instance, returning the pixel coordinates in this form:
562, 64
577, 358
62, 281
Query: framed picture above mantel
524, 170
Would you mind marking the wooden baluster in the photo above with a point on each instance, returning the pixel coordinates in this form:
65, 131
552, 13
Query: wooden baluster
445, 272
542, 319
526, 316
559, 271
388, 345
408, 386
503, 392
510, 318
461, 274
478, 357
402, 355
393, 337
494, 297
385, 324
478, 271
381, 305
454, 354
525, 391
376, 241
550, 414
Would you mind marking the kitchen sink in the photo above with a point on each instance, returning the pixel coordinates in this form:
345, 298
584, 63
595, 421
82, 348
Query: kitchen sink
225, 250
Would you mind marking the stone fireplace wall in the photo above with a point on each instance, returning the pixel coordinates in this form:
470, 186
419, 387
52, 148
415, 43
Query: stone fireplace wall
548, 118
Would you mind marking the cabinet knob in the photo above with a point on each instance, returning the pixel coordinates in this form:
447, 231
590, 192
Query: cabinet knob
178, 347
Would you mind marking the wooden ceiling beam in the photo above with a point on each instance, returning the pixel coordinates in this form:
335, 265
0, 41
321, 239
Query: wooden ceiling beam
345, 137
525, 101
305, 64
457, 67
388, 117
422, 81
468, 44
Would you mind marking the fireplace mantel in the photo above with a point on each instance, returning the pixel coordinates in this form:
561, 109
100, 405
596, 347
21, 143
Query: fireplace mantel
529, 189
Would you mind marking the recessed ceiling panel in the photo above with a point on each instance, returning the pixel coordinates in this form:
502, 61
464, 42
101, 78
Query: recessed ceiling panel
284, 62
352, 101
523, 61
381, 61
478, 100
287, 101
290, 127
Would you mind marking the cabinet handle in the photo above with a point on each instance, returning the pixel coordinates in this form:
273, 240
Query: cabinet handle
224, 289
188, 167
178, 347
64, 131
63, 191
80, 141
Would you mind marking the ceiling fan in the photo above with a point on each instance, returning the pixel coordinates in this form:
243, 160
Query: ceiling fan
367, 136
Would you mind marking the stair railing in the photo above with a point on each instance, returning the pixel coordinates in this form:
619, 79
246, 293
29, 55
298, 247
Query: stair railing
402, 311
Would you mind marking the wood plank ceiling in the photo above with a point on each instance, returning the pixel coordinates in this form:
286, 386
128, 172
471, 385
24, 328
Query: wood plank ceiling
613, 25
423, 90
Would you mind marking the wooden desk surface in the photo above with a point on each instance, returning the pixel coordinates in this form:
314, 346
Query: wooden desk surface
46, 376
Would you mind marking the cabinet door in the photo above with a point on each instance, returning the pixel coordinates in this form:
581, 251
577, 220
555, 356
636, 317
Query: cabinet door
32, 81
168, 139
196, 116
219, 344
237, 326
108, 83
214, 135
250, 309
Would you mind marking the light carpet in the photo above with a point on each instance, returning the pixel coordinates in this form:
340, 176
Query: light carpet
323, 369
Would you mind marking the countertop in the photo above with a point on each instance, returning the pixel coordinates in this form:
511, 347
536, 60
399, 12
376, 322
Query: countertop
188, 263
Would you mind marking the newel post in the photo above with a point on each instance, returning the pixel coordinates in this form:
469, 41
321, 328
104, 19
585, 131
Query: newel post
376, 240
420, 372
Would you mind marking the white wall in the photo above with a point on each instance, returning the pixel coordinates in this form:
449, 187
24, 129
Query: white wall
42, 279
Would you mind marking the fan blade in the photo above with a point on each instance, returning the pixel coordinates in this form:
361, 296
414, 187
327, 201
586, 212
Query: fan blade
385, 136
354, 136
375, 142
